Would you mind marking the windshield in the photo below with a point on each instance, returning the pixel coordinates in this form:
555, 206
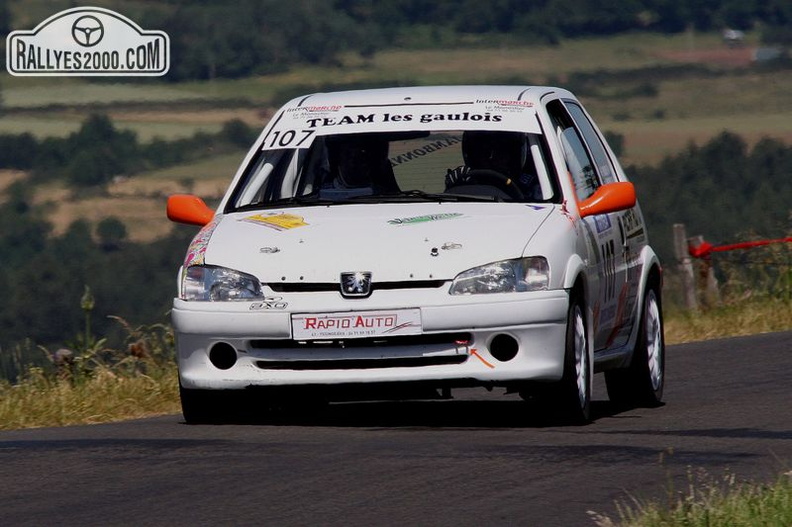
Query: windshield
382, 166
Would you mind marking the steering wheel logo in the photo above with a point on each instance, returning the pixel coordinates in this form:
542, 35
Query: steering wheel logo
87, 31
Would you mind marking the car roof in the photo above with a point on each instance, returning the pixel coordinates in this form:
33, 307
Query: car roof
417, 95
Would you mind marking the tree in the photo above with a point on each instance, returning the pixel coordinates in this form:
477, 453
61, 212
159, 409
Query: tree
91, 168
264, 36
721, 190
18, 151
102, 152
23, 230
5, 18
111, 233
237, 133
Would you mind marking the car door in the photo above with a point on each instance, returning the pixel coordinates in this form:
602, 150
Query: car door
588, 172
631, 234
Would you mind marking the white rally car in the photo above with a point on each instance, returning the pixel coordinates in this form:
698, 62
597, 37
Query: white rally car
398, 240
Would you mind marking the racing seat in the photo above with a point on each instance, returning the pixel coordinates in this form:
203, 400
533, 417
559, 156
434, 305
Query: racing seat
493, 161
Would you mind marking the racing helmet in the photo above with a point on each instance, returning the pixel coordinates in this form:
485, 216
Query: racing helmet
504, 152
356, 160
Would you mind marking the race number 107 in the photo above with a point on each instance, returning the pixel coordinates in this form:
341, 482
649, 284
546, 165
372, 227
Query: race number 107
287, 139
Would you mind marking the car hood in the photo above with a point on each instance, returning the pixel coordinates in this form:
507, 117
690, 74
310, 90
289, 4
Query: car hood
395, 242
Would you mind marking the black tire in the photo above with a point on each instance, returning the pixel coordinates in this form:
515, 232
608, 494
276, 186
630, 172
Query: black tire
641, 384
572, 398
207, 406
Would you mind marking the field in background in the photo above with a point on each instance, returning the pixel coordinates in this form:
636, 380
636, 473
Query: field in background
752, 105
138, 201
718, 91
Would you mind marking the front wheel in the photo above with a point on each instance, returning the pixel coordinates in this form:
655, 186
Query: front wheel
641, 384
207, 406
572, 397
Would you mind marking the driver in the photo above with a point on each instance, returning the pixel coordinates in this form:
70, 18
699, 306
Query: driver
359, 163
502, 152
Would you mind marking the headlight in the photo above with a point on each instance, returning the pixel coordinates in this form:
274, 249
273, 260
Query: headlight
507, 276
206, 282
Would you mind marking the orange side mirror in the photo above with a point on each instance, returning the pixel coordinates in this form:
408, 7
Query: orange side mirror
189, 209
612, 197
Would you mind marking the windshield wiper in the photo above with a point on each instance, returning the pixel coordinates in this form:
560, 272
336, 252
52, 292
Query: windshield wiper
305, 201
420, 195
400, 197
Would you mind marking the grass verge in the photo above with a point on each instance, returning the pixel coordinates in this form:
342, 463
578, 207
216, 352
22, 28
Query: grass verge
43, 400
731, 319
709, 502
90, 383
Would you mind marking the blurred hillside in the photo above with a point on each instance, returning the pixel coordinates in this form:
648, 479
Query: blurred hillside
214, 40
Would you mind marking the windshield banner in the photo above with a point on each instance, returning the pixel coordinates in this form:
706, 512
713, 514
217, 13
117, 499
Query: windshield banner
295, 127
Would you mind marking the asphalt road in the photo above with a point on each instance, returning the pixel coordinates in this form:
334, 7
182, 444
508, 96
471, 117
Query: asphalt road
479, 459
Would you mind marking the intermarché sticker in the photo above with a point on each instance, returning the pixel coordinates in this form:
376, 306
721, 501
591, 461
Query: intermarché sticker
87, 41
424, 219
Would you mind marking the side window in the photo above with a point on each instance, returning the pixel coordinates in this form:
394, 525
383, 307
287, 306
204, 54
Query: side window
578, 161
604, 165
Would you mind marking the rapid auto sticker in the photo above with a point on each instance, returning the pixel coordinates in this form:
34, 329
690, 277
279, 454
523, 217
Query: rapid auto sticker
426, 218
197, 249
279, 222
356, 324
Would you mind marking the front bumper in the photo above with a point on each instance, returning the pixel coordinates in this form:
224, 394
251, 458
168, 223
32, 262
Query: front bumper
459, 341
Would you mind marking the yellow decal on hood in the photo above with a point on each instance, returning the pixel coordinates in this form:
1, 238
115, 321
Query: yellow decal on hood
280, 222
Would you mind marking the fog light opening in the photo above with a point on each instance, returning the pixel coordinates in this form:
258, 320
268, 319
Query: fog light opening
222, 356
504, 347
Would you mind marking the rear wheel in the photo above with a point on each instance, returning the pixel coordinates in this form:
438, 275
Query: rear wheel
641, 384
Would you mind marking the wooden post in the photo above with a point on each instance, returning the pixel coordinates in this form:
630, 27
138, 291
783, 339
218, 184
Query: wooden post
685, 265
707, 283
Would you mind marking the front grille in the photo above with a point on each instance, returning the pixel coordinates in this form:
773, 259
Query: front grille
450, 339
360, 364
405, 351
319, 287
